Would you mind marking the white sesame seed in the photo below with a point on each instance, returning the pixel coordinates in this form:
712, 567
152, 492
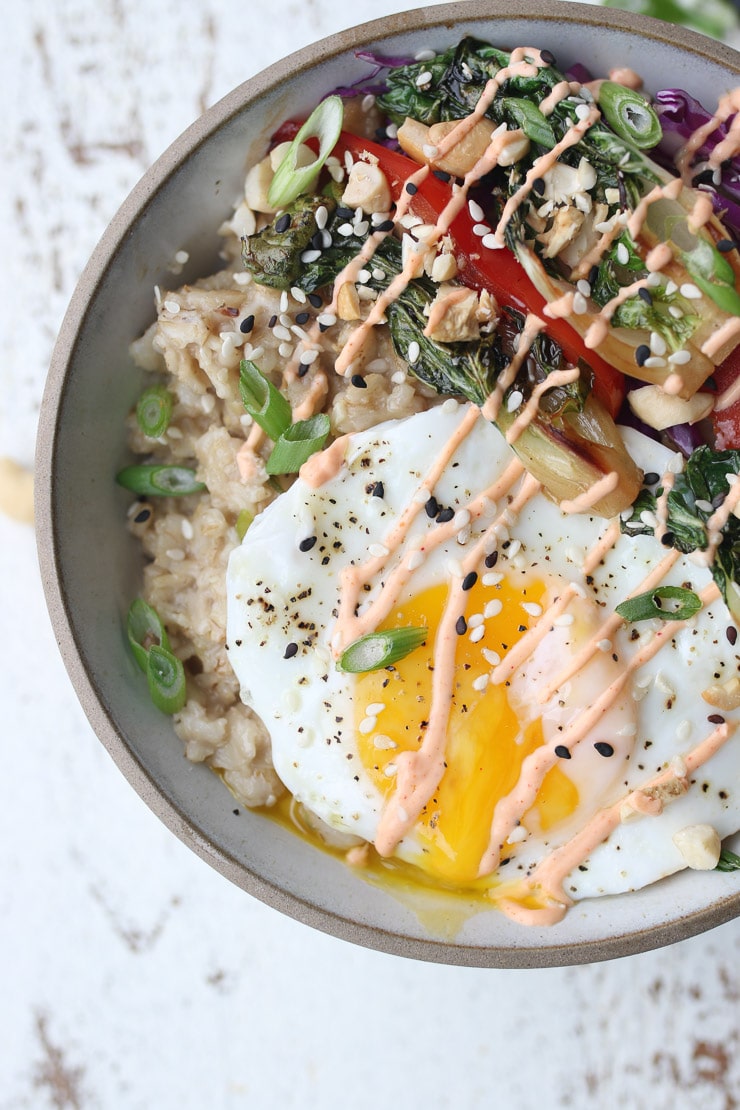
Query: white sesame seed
475, 620
680, 358
584, 287
415, 560
513, 549
422, 495
430, 151
480, 230
383, 742
361, 228
491, 657
424, 78
172, 306
391, 131
284, 301
653, 280
704, 506
186, 528
475, 210
348, 160
375, 708
491, 242
399, 377
281, 332
310, 256
532, 608
657, 343
326, 319
285, 319
363, 277
378, 550
627, 730
378, 274
285, 350
345, 229
492, 579
690, 291
492, 608
309, 356
368, 102
684, 730
649, 518
367, 724
477, 634
655, 361
453, 567
176, 554
580, 304
300, 333
583, 111
424, 56
514, 401
461, 519
604, 645
413, 352
450, 405
623, 255
463, 536
563, 620
480, 683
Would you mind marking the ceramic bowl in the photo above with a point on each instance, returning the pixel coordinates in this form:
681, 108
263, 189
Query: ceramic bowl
91, 566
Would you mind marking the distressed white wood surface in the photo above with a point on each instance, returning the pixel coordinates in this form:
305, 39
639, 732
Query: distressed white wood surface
131, 975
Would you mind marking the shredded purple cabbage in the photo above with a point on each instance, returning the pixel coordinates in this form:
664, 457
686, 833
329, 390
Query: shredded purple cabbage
579, 73
680, 116
383, 61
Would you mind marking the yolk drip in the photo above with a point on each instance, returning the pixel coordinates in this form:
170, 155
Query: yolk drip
486, 741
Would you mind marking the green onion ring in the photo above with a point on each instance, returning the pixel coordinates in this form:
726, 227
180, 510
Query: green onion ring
154, 411
263, 401
324, 123
381, 649
145, 630
155, 480
629, 115
645, 606
166, 678
298, 443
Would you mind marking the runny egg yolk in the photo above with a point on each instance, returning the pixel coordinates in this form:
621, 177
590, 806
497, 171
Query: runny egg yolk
486, 741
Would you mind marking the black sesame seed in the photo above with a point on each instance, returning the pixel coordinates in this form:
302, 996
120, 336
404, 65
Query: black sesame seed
562, 752
718, 500
272, 321
282, 223
302, 317
642, 354
290, 651
324, 327
705, 177
461, 627
358, 381
651, 478
645, 295
445, 515
603, 748
315, 300
344, 213
538, 186
716, 719
469, 580
411, 188
441, 175
731, 634
593, 275
317, 241
385, 225
142, 516
547, 57
380, 134
303, 368
492, 559
307, 544
378, 490
667, 539
247, 324
726, 245
431, 507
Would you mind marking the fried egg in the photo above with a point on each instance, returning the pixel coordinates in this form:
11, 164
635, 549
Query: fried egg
497, 746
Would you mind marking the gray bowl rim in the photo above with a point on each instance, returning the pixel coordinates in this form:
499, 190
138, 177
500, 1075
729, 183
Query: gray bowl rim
47, 523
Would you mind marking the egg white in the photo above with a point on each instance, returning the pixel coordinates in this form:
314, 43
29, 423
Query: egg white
280, 596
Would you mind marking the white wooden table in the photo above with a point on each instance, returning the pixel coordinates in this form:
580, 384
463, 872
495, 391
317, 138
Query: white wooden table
131, 975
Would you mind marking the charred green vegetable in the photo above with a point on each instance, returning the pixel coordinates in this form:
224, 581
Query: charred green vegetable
273, 255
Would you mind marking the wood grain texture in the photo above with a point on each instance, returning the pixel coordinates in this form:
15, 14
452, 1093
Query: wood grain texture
132, 975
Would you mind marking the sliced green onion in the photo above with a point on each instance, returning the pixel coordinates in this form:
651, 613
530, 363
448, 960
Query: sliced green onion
533, 123
325, 124
154, 410
381, 649
728, 861
646, 606
630, 115
298, 443
145, 630
243, 522
155, 480
263, 401
166, 678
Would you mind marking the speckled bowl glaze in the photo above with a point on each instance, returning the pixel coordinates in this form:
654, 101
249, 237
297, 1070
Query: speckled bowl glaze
91, 566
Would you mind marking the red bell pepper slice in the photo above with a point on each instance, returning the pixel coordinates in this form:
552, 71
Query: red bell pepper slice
726, 423
498, 271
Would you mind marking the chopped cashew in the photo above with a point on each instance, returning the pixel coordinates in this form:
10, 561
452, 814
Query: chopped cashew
367, 188
456, 314
565, 226
348, 302
724, 695
662, 410
443, 267
699, 845
420, 142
